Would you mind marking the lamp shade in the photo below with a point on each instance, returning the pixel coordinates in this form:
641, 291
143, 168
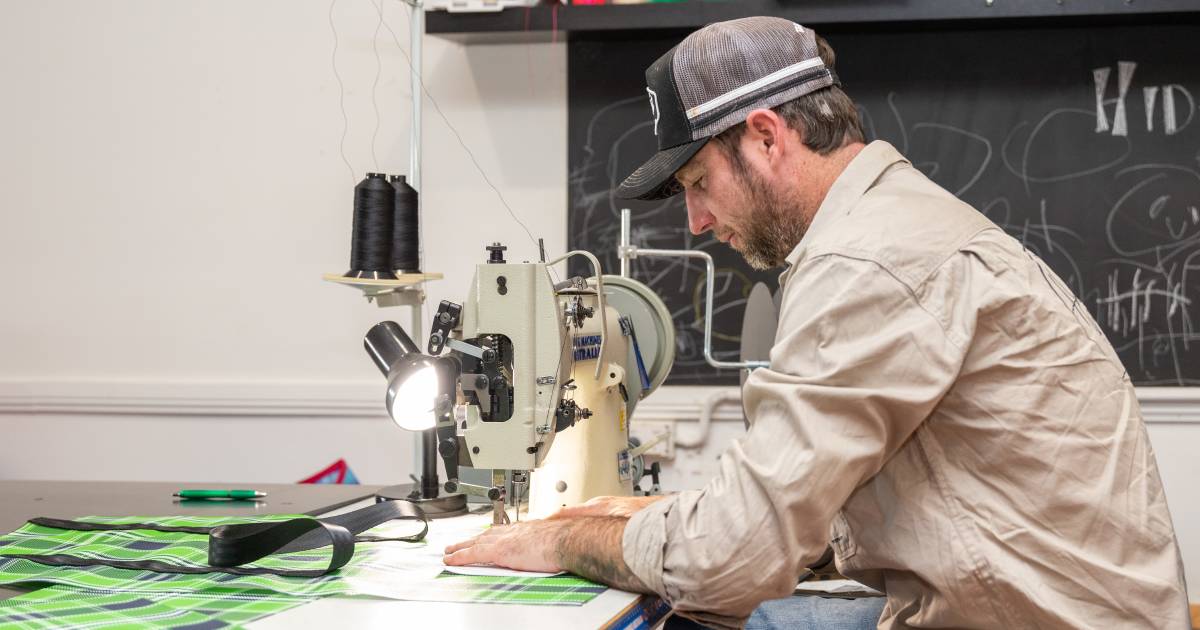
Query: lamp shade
387, 343
413, 389
415, 381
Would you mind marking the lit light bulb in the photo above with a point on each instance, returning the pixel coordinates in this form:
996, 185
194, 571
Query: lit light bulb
412, 406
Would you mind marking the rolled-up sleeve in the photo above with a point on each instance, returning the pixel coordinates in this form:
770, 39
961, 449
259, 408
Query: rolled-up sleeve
857, 366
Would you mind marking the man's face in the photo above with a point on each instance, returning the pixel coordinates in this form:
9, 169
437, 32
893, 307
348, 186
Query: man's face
741, 206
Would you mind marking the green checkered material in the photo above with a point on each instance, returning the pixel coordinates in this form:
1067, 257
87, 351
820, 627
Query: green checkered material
171, 547
99, 596
559, 589
63, 607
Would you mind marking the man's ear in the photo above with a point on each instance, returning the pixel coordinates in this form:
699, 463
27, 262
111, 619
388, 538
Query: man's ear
766, 131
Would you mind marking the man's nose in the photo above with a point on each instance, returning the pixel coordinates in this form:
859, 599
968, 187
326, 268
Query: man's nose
699, 220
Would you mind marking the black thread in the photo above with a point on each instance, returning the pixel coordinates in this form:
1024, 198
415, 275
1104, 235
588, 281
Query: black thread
371, 242
406, 240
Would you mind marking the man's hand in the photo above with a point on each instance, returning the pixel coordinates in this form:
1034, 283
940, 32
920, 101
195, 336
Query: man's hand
525, 546
588, 546
620, 507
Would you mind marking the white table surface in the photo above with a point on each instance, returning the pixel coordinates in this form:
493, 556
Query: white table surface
362, 612
370, 612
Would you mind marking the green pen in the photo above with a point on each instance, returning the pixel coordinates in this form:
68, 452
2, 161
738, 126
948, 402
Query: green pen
220, 494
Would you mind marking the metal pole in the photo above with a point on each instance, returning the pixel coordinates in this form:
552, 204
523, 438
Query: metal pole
415, 39
426, 446
429, 465
709, 288
623, 249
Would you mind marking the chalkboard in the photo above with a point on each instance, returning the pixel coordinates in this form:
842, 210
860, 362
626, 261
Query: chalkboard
1083, 143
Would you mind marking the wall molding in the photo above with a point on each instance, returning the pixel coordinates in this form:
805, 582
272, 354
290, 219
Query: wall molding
296, 398
333, 398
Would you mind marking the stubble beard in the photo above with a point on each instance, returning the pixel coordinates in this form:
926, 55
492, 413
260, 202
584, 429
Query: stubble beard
774, 225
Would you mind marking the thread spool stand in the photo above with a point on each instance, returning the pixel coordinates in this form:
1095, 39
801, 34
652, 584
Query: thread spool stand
406, 289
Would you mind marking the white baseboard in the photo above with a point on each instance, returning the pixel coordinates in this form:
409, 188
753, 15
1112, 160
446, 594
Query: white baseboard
192, 398
365, 399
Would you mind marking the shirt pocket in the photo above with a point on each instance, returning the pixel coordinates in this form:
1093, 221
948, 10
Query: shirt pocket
841, 538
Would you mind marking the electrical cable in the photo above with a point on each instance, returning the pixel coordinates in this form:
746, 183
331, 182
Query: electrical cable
375, 85
341, 92
474, 161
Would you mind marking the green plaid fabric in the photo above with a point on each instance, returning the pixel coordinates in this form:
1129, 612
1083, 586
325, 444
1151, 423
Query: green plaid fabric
62, 607
106, 597
172, 547
559, 589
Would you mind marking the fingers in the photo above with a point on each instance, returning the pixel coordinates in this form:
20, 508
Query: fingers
487, 533
460, 545
476, 554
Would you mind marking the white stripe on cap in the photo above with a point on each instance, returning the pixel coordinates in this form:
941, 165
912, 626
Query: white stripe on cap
731, 95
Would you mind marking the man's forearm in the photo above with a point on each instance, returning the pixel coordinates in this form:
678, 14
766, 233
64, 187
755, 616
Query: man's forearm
591, 547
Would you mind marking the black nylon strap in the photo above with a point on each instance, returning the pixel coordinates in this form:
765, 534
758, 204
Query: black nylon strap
163, 567
233, 545
85, 526
230, 546
363, 519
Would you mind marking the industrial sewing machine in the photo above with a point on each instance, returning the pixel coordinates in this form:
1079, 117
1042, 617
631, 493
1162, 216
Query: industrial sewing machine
534, 380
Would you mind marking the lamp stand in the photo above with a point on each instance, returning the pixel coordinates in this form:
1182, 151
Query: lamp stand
426, 493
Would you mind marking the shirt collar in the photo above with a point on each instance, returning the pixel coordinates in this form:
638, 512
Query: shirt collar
860, 174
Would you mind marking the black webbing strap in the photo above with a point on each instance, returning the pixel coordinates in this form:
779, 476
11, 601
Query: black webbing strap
85, 526
230, 546
234, 545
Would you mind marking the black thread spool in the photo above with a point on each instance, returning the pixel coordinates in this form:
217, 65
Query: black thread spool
406, 236
371, 242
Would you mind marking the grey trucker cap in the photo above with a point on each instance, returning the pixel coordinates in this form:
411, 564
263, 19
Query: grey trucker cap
712, 80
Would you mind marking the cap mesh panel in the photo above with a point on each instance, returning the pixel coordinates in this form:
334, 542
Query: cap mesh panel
727, 55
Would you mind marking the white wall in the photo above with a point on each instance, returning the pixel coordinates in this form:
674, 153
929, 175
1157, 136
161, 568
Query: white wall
172, 189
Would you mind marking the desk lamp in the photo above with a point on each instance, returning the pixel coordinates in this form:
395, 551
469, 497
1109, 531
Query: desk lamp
420, 388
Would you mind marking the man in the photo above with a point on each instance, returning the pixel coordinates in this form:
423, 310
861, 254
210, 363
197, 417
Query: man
938, 408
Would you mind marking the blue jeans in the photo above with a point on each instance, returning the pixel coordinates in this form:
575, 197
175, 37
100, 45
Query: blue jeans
826, 613
806, 611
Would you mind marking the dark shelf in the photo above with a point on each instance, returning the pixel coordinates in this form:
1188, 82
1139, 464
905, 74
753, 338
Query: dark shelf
538, 23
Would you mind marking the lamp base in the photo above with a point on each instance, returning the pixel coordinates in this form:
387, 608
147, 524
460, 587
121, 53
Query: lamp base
444, 506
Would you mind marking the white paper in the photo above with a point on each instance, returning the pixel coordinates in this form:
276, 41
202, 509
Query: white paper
495, 571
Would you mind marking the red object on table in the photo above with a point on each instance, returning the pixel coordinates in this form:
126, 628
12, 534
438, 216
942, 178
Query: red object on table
337, 472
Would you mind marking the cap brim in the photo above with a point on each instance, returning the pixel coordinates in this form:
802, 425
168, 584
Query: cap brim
656, 178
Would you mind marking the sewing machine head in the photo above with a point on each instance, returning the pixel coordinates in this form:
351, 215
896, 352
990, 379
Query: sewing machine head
518, 364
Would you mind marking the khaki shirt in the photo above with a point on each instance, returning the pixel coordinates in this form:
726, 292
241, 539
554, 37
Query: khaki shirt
942, 411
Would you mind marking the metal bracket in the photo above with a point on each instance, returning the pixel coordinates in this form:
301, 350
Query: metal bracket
446, 320
490, 493
400, 296
574, 282
627, 251
465, 348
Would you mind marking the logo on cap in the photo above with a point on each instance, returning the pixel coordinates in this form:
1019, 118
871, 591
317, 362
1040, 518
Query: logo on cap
653, 108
